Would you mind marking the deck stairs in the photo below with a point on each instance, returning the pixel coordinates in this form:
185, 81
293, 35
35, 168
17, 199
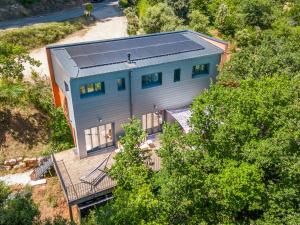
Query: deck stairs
41, 170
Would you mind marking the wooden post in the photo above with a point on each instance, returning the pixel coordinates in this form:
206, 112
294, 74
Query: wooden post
71, 213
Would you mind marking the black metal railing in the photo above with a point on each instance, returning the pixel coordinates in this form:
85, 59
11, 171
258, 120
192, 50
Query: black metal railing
74, 192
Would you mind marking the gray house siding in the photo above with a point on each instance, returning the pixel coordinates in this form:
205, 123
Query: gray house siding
114, 106
61, 76
171, 94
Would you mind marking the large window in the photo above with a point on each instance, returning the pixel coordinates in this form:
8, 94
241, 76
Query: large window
200, 69
121, 84
152, 122
92, 89
99, 137
177, 75
151, 80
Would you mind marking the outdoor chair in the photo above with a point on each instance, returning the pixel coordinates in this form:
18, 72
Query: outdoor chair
97, 175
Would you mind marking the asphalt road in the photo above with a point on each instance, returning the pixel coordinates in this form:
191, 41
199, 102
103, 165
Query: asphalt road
50, 17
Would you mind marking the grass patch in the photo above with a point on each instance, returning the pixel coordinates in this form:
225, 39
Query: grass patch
42, 34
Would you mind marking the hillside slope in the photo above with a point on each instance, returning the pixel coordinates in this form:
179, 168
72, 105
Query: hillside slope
13, 9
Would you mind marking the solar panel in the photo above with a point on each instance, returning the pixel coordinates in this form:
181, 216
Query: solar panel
116, 51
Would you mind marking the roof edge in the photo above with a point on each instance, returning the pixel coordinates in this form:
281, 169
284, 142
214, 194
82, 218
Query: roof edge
209, 37
53, 46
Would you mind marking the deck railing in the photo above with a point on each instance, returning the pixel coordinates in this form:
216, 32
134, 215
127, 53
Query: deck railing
75, 192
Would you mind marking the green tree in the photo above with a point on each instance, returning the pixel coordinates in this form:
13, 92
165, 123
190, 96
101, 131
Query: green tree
180, 7
12, 58
17, 209
134, 201
160, 18
258, 13
198, 21
272, 54
254, 122
89, 8
225, 20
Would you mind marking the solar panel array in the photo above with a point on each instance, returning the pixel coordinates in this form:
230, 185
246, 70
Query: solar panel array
116, 51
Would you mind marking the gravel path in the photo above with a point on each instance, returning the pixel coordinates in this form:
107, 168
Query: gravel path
111, 23
21, 178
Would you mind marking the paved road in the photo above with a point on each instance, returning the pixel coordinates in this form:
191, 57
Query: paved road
50, 17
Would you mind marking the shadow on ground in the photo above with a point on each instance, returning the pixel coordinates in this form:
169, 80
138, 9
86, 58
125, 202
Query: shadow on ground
26, 129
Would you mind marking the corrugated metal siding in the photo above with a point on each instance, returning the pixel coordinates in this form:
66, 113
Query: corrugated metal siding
114, 105
171, 94
61, 76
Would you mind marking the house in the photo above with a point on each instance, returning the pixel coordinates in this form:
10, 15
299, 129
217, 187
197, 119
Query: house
101, 84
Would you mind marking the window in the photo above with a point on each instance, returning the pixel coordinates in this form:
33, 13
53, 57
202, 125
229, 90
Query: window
99, 137
121, 84
92, 89
177, 75
200, 69
152, 122
151, 80
66, 86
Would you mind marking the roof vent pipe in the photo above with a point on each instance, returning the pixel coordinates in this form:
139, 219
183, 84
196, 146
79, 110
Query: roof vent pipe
129, 58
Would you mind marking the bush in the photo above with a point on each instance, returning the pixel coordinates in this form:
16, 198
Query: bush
18, 209
160, 17
247, 37
39, 35
225, 20
40, 95
133, 21
123, 3
142, 6
198, 21
258, 13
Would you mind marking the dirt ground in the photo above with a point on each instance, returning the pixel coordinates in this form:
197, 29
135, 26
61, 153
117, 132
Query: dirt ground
111, 23
23, 133
51, 201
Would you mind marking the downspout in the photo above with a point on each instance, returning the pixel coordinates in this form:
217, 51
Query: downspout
130, 95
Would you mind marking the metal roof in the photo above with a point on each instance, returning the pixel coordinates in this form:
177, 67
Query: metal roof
98, 57
182, 116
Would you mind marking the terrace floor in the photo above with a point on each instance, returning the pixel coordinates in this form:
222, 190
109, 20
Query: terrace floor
70, 169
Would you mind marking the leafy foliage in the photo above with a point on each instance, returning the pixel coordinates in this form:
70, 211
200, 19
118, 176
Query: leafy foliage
160, 18
42, 34
132, 21
238, 165
134, 201
17, 209
275, 54
198, 21
12, 58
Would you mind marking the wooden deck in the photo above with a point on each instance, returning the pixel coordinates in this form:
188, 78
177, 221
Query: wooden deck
70, 169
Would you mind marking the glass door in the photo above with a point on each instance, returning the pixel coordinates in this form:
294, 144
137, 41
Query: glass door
99, 137
151, 123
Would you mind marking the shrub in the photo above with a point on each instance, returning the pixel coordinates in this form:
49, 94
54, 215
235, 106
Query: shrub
123, 3
198, 21
160, 17
142, 6
39, 35
133, 21
225, 20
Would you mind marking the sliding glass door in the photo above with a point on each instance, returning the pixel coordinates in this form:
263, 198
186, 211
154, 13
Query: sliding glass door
152, 123
99, 137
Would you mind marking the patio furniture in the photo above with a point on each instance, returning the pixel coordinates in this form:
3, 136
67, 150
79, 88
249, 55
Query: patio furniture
97, 175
